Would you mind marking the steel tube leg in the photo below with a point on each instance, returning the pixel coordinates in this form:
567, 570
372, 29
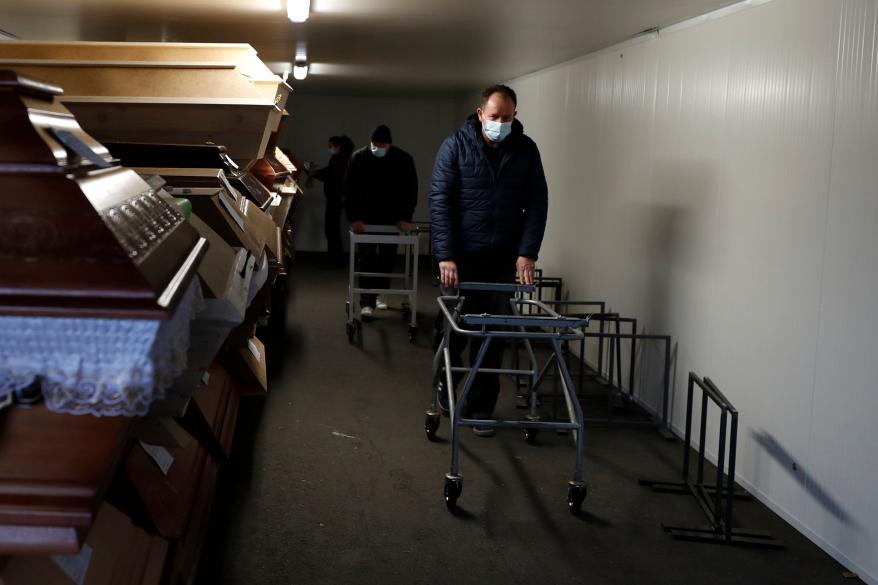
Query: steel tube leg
408, 266
730, 479
619, 354
532, 380
458, 410
438, 362
351, 277
581, 364
612, 365
688, 442
574, 409
720, 466
633, 348
449, 381
666, 388
702, 446
414, 295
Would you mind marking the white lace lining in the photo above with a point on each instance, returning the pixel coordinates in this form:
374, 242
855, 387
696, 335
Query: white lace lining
103, 367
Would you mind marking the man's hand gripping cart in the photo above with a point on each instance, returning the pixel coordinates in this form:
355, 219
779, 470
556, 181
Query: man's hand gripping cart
539, 323
384, 234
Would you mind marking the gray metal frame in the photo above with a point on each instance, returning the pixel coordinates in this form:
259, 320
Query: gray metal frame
614, 369
716, 501
385, 234
539, 323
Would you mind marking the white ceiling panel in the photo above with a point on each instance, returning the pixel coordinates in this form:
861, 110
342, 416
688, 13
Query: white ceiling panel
368, 46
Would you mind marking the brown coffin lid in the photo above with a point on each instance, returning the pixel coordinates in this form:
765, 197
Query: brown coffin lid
60, 256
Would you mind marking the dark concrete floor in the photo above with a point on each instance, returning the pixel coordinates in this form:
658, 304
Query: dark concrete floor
333, 481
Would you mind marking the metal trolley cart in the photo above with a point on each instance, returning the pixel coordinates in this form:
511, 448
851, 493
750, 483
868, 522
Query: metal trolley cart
384, 234
539, 323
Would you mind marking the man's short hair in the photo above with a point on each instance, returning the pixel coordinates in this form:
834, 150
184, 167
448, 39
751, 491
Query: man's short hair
502, 89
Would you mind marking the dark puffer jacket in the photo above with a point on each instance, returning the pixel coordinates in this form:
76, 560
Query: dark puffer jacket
381, 191
472, 211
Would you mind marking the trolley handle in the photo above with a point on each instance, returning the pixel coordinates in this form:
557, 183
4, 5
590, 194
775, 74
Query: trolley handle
554, 320
523, 321
496, 287
386, 229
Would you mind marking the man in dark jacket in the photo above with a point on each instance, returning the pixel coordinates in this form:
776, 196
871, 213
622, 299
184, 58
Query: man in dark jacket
488, 205
381, 188
332, 176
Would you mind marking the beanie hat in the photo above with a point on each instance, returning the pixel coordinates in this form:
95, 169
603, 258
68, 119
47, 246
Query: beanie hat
381, 134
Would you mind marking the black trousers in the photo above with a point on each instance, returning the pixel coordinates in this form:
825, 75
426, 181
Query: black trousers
486, 387
374, 258
332, 228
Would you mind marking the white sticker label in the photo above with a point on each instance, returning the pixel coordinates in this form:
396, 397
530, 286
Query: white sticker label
75, 566
160, 455
205, 378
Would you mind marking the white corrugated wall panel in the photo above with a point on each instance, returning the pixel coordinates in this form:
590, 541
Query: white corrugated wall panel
843, 447
718, 182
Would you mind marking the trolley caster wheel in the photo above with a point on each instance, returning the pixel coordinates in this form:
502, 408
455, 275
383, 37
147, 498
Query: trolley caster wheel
406, 312
530, 435
431, 425
453, 487
413, 334
575, 496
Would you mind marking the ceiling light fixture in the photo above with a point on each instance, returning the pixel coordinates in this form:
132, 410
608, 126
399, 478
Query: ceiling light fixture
300, 70
298, 10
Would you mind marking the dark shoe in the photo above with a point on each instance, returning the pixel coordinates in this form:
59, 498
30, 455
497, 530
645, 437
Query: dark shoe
484, 431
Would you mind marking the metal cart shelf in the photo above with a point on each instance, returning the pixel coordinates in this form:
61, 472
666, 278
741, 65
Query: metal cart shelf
384, 234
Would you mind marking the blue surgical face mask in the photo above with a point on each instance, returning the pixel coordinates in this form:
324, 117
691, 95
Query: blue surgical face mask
379, 152
496, 131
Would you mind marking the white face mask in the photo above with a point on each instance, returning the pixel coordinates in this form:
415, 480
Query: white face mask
379, 152
496, 131
333, 151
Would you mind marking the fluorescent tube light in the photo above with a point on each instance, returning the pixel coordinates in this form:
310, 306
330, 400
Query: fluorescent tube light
298, 10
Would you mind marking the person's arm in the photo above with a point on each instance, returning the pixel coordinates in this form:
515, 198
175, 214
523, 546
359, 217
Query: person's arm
444, 189
536, 209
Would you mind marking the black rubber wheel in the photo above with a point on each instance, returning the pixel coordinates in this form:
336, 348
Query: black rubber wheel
406, 312
431, 425
530, 435
413, 334
575, 496
453, 487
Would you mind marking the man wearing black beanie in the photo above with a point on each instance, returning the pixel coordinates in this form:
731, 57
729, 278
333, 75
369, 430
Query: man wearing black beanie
381, 188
